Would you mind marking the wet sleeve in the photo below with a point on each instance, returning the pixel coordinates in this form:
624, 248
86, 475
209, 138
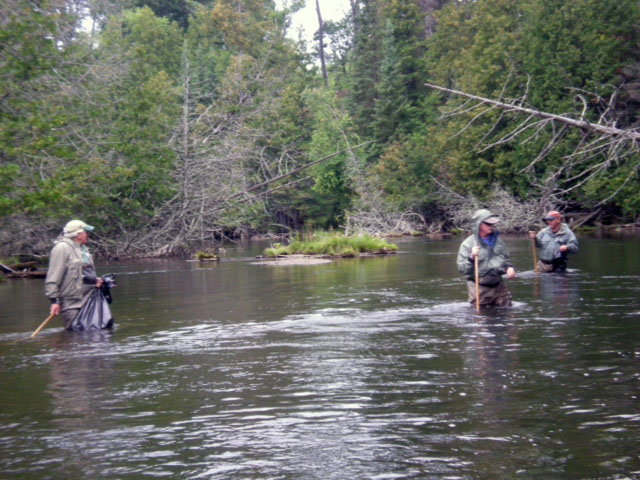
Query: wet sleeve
572, 244
464, 260
503, 254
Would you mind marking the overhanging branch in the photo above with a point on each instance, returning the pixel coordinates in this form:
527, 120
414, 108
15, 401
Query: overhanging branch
594, 127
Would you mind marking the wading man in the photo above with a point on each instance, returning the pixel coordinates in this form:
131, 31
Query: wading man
71, 275
554, 243
493, 261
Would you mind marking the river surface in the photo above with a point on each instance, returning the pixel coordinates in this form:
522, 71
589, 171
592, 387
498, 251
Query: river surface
373, 368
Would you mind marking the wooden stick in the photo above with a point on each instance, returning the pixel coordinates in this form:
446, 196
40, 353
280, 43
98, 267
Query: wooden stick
42, 325
535, 257
475, 262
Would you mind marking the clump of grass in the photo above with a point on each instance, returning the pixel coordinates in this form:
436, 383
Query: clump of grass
200, 255
276, 250
348, 252
333, 244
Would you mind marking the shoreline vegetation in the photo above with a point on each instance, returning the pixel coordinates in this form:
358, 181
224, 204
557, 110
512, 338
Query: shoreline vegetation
174, 127
332, 244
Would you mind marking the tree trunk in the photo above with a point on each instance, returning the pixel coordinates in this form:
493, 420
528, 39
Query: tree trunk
321, 45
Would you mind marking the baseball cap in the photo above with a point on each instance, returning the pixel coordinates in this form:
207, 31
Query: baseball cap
74, 227
552, 215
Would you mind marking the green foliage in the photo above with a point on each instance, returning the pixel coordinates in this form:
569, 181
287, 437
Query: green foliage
26, 125
575, 45
619, 189
400, 87
174, 10
404, 172
334, 244
27, 44
276, 251
503, 48
151, 44
332, 130
200, 255
364, 67
181, 105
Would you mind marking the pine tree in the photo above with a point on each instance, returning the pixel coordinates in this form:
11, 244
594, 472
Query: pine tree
365, 66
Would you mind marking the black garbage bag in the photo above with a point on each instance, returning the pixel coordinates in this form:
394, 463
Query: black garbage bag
95, 314
108, 282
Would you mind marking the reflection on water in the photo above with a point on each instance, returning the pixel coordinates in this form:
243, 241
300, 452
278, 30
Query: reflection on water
374, 368
80, 379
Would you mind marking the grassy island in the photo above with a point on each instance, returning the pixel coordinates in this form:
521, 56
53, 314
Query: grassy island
334, 245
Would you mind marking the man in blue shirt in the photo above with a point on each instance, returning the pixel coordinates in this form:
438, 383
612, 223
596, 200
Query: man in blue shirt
493, 261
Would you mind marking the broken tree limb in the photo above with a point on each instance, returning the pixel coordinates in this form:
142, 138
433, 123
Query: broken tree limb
594, 127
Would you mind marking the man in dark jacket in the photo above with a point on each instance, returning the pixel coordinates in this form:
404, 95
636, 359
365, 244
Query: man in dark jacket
554, 243
493, 261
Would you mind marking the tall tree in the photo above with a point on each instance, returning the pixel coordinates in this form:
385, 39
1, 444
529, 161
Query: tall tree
320, 37
364, 62
137, 109
536, 51
28, 55
177, 11
399, 89
239, 127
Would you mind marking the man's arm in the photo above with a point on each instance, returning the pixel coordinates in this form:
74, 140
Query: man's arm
55, 274
572, 244
464, 260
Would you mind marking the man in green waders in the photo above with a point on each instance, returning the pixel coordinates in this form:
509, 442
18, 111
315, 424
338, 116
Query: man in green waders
71, 275
493, 261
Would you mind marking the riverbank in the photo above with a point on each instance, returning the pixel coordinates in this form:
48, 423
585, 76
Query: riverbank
112, 250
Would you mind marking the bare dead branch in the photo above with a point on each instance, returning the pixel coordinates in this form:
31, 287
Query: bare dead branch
611, 131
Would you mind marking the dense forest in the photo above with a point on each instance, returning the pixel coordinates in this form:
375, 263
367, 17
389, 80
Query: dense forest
172, 125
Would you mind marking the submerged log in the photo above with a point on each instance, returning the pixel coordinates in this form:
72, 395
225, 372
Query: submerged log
23, 270
27, 274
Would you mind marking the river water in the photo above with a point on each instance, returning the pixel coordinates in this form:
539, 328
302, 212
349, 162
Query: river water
372, 368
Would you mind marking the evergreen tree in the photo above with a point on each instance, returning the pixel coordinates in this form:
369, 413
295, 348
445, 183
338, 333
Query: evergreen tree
177, 11
335, 181
136, 109
400, 88
28, 55
503, 48
364, 67
391, 105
